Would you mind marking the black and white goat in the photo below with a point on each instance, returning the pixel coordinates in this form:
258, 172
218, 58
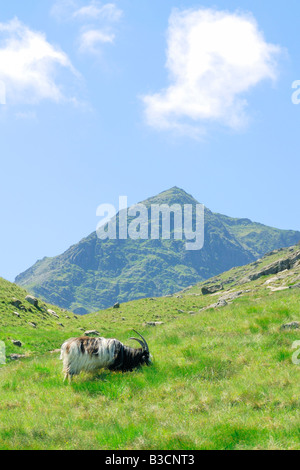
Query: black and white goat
89, 354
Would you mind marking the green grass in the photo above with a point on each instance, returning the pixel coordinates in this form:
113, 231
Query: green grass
221, 379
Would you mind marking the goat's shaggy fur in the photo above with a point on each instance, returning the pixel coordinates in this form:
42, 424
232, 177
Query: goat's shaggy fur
89, 354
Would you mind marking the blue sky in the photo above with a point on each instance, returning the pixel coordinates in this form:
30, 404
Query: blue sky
112, 98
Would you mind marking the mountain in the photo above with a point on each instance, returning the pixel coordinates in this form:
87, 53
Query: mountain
94, 274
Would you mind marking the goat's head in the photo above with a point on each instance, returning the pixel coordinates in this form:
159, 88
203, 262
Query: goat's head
146, 356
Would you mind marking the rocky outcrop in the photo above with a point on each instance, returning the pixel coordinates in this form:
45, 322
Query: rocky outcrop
211, 289
276, 267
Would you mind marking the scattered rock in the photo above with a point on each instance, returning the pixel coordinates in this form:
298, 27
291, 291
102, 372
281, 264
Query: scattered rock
16, 303
54, 314
272, 279
221, 303
17, 314
16, 357
117, 305
211, 289
32, 324
180, 311
154, 323
17, 343
295, 325
276, 289
295, 286
92, 332
32, 300
232, 295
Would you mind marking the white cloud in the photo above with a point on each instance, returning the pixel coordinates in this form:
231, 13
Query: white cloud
98, 22
62, 10
29, 64
213, 58
89, 40
108, 12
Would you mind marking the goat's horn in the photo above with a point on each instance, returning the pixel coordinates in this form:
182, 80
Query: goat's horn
139, 341
145, 342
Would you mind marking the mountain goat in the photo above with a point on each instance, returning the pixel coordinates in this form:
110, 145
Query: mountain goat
88, 354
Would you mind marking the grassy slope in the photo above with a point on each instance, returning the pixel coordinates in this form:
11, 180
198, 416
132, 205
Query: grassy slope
221, 379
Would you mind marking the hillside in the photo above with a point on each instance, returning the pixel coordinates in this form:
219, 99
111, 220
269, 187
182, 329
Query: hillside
95, 274
222, 377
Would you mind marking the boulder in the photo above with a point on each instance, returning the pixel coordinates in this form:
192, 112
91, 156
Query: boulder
17, 343
16, 303
92, 333
117, 305
154, 323
211, 289
32, 300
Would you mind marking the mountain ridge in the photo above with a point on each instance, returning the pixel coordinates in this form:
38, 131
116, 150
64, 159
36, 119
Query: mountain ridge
94, 274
